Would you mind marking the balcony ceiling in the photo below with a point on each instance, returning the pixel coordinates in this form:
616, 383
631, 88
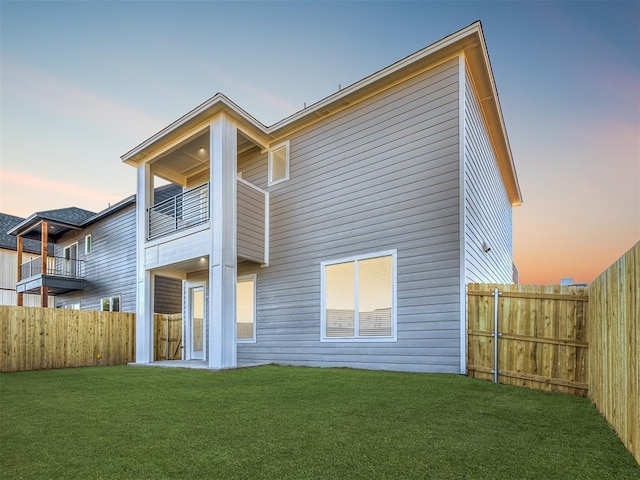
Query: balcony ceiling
192, 158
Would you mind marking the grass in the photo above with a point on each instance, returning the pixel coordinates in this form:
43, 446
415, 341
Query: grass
288, 422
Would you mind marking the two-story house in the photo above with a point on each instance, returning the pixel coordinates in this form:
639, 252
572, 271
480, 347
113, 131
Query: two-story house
343, 235
90, 262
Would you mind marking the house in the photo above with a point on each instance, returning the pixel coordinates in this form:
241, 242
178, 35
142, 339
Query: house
90, 262
343, 235
9, 262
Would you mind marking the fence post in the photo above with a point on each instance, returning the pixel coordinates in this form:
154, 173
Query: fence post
496, 294
166, 353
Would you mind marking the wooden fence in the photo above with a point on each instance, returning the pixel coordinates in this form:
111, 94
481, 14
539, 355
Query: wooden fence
614, 347
167, 336
40, 338
542, 336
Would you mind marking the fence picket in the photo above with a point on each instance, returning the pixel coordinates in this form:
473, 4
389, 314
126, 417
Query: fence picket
39, 338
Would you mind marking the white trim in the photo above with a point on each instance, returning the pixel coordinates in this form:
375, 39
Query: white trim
266, 231
110, 299
189, 287
462, 211
87, 251
74, 263
394, 297
278, 146
64, 249
245, 278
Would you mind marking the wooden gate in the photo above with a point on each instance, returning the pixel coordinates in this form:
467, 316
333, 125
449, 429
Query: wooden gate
541, 336
167, 336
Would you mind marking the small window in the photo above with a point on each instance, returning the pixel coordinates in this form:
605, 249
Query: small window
87, 245
279, 163
110, 304
246, 309
72, 306
359, 298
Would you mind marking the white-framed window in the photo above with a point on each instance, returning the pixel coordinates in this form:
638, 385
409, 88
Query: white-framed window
72, 306
87, 244
110, 304
359, 298
246, 308
279, 163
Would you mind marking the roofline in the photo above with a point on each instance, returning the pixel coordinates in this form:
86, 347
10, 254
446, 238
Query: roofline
397, 66
116, 207
466, 40
38, 215
219, 102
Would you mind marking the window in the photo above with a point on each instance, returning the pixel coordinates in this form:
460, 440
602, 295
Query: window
110, 304
87, 244
279, 163
72, 306
359, 298
246, 309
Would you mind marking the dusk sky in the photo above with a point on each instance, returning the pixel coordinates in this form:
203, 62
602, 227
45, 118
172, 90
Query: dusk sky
84, 82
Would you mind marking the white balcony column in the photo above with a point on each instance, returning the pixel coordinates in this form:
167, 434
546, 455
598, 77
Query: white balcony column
223, 259
144, 290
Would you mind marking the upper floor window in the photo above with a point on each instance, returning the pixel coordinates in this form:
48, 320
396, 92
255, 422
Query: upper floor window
279, 163
87, 244
359, 298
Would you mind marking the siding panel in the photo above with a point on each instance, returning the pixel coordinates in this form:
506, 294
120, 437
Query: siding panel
487, 207
380, 175
110, 268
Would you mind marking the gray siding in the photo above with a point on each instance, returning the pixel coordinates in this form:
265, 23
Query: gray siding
487, 207
110, 268
382, 174
167, 295
251, 226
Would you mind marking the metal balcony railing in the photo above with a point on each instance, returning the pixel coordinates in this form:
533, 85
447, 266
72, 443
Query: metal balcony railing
58, 266
177, 213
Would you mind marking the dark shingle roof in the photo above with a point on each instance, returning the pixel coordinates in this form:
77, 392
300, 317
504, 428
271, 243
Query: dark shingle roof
166, 191
7, 222
70, 215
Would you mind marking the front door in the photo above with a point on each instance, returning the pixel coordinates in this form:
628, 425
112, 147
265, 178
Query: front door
196, 326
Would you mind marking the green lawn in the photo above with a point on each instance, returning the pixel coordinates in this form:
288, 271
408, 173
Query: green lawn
288, 422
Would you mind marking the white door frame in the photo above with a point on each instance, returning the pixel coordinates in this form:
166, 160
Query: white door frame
187, 324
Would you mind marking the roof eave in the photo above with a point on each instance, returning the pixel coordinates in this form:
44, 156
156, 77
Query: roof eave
208, 109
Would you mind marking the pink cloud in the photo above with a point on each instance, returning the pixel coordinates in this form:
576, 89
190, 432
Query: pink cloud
47, 194
63, 98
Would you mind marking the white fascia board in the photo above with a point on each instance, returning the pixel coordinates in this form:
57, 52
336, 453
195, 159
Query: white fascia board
218, 102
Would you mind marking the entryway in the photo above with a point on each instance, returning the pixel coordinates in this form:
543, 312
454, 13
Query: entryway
195, 328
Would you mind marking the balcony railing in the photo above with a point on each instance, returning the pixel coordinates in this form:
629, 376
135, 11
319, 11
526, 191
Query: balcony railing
58, 266
186, 210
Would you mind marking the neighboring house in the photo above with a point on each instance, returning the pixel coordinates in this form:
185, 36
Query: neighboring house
91, 263
9, 262
343, 235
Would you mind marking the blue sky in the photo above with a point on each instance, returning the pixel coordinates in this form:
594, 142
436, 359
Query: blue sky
84, 82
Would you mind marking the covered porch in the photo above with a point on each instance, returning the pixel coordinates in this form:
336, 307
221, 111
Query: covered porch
49, 274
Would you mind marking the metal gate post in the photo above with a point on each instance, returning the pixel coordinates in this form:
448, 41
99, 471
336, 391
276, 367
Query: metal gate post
496, 294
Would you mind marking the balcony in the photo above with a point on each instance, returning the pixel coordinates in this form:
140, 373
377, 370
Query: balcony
191, 208
177, 213
61, 275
